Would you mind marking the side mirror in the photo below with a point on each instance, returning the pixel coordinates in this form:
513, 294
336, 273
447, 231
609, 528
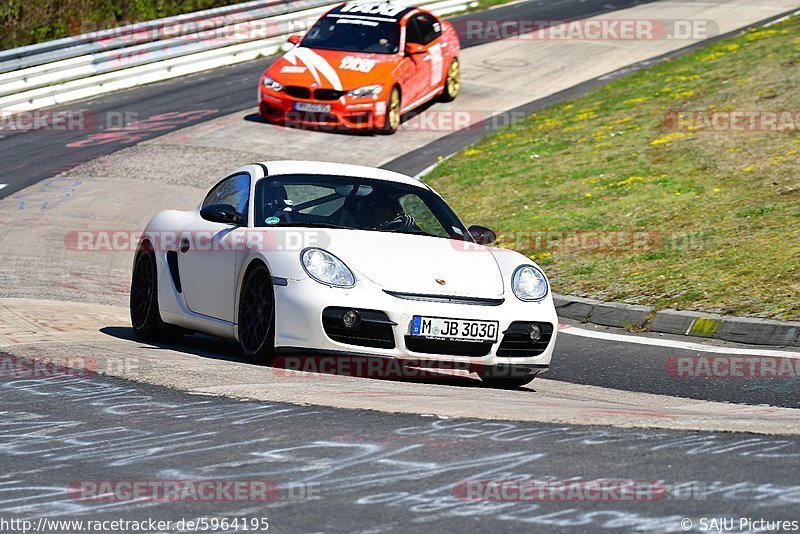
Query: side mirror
295, 38
414, 48
222, 213
482, 235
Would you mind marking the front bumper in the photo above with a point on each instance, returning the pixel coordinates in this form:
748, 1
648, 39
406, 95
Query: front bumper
299, 325
345, 112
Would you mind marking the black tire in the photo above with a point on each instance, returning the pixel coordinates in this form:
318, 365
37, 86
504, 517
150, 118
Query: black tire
145, 317
393, 115
257, 315
452, 84
506, 377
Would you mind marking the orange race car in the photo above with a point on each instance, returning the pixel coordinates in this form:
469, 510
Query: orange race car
361, 66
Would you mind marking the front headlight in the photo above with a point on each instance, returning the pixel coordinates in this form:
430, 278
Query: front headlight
367, 90
326, 268
529, 283
272, 84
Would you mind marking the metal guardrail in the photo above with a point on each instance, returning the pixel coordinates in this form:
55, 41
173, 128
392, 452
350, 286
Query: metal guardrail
64, 70
68, 47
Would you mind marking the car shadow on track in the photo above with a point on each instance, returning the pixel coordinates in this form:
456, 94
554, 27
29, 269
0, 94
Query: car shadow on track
335, 129
299, 366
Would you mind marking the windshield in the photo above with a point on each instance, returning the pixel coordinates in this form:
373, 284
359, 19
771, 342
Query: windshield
349, 34
354, 203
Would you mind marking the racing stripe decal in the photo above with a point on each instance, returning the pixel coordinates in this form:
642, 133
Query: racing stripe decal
316, 65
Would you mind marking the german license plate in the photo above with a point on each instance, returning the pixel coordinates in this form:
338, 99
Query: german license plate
454, 329
313, 108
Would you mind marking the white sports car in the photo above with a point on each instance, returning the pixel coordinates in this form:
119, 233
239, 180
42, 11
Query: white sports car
295, 257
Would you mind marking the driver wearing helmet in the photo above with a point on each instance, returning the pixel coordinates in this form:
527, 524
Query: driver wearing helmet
386, 212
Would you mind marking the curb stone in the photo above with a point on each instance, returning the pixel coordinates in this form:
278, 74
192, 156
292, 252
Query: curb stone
748, 330
759, 331
577, 308
602, 313
620, 315
686, 323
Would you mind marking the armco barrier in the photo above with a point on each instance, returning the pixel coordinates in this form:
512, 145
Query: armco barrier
69, 47
73, 68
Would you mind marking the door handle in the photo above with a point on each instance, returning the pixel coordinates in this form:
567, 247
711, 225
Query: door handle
184, 244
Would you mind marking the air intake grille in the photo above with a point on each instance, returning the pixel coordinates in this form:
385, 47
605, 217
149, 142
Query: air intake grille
517, 342
297, 92
374, 331
328, 94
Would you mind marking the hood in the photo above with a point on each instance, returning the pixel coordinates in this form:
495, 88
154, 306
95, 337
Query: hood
332, 69
412, 264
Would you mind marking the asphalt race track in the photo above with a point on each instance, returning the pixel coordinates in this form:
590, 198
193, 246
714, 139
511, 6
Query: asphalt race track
214, 146
344, 452
217, 93
367, 471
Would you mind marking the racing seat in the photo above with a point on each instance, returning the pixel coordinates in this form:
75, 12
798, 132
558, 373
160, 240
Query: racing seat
276, 202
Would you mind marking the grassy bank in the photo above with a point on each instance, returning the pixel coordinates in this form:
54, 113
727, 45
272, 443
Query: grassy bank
713, 216
25, 22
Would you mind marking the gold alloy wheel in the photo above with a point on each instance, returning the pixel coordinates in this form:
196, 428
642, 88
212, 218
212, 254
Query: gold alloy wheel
394, 110
453, 79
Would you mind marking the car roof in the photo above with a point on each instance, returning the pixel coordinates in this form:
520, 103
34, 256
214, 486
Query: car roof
281, 167
385, 11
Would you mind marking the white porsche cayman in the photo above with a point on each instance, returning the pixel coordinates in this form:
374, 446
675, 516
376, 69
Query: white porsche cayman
323, 258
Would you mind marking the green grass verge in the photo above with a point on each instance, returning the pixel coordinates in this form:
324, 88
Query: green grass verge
722, 208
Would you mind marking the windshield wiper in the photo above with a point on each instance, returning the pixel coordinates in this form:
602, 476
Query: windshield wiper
410, 232
308, 225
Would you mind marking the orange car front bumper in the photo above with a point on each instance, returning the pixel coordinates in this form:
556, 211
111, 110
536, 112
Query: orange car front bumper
343, 112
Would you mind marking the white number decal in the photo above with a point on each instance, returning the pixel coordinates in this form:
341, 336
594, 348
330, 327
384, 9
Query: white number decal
385, 9
436, 64
357, 63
